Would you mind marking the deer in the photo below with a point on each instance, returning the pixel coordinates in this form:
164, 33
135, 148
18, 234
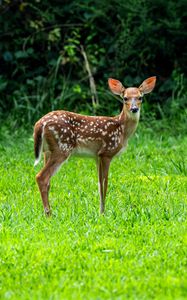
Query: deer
61, 134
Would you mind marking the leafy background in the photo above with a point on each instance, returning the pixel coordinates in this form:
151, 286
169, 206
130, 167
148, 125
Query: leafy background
42, 67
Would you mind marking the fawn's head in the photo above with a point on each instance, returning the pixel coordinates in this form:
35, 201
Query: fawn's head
132, 96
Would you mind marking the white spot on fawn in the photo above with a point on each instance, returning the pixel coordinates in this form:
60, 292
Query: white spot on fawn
104, 133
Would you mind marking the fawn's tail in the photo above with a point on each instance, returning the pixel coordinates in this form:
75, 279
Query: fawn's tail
38, 142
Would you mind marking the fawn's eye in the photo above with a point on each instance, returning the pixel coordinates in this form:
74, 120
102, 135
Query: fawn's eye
140, 98
125, 99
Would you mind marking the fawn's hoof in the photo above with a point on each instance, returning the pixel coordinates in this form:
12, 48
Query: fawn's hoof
47, 212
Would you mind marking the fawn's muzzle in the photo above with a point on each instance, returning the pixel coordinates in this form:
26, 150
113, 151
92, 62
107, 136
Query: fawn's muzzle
134, 110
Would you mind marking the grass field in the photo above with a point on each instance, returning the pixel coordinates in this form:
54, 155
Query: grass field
138, 250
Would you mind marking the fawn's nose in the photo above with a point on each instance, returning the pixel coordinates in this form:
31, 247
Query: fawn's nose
134, 109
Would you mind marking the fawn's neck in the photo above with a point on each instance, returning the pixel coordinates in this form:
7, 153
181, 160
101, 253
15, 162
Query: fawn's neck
130, 121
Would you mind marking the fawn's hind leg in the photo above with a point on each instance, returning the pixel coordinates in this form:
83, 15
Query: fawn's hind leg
53, 163
46, 158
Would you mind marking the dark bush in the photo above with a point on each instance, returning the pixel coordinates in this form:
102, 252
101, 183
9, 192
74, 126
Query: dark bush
42, 67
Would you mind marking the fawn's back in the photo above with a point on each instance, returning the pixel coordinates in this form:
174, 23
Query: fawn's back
83, 135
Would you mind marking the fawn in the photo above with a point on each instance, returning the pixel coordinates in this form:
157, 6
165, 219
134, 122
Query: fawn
60, 134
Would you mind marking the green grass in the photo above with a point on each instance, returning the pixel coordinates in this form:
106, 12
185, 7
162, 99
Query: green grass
136, 251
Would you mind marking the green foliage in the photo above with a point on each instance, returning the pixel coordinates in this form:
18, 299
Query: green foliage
42, 65
136, 251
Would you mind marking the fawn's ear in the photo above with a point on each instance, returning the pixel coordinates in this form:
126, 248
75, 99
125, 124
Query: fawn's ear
115, 86
147, 85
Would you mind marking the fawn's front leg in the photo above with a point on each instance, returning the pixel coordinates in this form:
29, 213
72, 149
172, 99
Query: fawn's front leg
103, 169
